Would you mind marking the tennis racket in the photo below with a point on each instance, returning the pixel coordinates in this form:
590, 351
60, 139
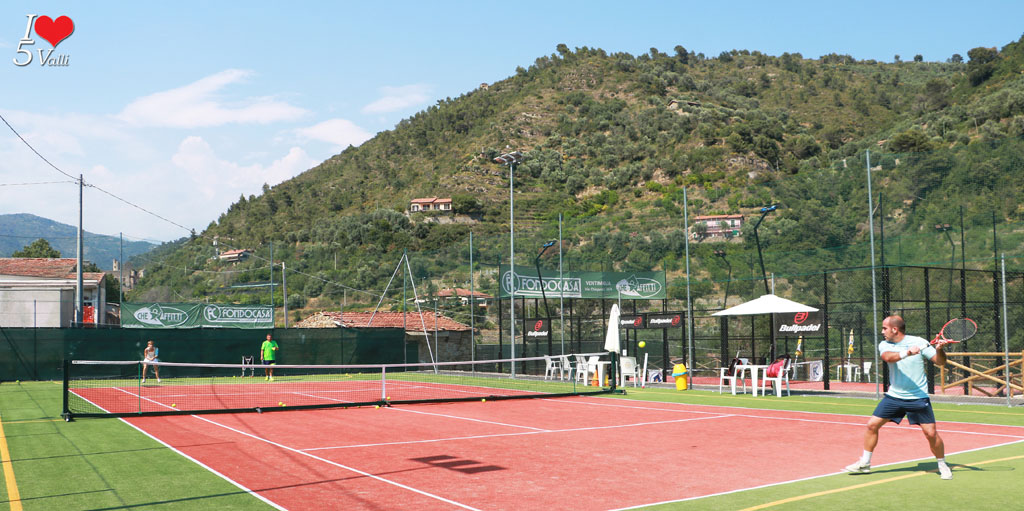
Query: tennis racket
955, 331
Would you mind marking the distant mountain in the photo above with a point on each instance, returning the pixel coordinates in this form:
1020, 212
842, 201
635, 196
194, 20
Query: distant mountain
19, 230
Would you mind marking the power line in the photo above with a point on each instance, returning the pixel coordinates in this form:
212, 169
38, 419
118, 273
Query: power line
34, 149
39, 183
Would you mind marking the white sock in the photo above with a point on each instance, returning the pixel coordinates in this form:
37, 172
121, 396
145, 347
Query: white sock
866, 458
942, 461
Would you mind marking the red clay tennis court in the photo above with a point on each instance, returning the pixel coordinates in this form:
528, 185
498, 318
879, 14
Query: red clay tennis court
574, 452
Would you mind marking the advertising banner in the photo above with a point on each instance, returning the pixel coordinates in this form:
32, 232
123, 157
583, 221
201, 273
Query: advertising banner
196, 315
664, 320
633, 285
538, 328
800, 323
631, 321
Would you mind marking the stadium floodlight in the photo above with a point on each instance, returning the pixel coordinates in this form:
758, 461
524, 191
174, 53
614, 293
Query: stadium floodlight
536, 262
511, 159
721, 253
952, 258
764, 212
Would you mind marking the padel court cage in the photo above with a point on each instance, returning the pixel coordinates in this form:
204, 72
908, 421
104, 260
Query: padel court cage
926, 297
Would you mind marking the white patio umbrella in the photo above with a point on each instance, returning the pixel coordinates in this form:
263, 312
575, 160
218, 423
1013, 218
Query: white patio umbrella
767, 304
611, 339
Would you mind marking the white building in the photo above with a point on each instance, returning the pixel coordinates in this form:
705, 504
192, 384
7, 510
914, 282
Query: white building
38, 292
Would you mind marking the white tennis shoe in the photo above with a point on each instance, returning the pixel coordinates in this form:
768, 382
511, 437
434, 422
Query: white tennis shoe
858, 468
945, 472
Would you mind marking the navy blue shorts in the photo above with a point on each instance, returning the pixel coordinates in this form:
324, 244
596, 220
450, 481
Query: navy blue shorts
269, 362
917, 411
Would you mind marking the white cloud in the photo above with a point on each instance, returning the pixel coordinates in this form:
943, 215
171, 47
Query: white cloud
340, 132
213, 176
399, 98
198, 105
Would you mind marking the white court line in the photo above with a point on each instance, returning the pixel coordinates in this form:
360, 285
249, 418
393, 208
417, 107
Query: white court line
467, 419
697, 497
297, 451
908, 427
190, 458
521, 433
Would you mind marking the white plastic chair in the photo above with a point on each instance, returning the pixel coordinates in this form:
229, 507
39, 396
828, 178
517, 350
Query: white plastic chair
628, 368
723, 376
566, 367
582, 368
867, 370
778, 379
552, 365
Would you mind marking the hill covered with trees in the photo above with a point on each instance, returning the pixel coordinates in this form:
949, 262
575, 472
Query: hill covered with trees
612, 142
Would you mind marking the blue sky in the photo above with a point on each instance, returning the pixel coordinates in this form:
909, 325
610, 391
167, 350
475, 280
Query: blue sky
180, 107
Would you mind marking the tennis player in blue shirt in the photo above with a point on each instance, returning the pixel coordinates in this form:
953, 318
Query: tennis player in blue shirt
908, 392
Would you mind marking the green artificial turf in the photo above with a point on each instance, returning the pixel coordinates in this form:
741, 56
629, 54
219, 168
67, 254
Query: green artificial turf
99, 463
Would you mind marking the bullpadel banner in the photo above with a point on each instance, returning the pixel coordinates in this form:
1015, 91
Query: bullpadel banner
634, 285
196, 315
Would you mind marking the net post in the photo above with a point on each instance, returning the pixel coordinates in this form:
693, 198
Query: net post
384, 383
139, 381
66, 414
613, 370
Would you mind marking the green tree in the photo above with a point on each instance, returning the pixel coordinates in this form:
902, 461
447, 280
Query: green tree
911, 141
38, 248
982, 65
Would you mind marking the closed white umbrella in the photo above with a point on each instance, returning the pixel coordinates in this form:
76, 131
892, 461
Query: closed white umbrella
767, 304
611, 339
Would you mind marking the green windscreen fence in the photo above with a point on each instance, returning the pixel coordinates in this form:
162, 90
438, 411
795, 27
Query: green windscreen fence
39, 353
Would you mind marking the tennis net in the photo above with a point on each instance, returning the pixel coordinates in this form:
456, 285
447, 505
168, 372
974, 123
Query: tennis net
95, 388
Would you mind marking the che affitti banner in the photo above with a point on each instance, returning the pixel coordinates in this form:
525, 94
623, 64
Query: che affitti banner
195, 315
634, 285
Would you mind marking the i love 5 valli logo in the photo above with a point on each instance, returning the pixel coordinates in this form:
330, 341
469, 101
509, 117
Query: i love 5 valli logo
53, 31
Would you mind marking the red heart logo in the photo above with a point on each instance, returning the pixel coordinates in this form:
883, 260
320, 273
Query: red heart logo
54, 31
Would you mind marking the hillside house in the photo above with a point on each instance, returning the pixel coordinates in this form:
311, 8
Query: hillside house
235, 256
430, 204
465, 295
721, 226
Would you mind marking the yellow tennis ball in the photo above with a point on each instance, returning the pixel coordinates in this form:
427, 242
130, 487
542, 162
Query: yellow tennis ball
280, 403
376, 406
483, 400
642, 344
173, 405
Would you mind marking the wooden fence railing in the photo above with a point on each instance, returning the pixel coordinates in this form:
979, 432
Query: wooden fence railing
986, 374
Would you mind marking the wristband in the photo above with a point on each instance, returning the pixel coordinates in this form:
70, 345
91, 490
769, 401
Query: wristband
904, 354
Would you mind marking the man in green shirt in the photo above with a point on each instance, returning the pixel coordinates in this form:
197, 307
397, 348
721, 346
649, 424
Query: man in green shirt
268, 356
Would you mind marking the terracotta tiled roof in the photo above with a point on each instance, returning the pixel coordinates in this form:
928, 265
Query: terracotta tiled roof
709, 217
431, 200
87, 275
233, 252
444, 293
386, 320
37, 267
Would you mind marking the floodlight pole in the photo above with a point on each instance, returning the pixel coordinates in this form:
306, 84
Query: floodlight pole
945, 228
725, 299
764, 212
511, 159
